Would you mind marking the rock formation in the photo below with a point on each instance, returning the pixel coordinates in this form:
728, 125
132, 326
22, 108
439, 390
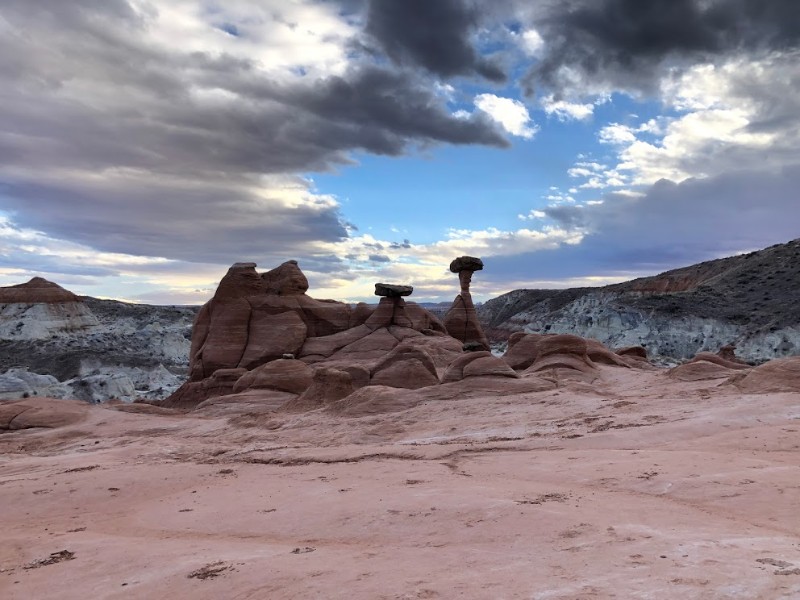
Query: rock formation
40, 309
254, 321
262, 334
749, 300
461, 321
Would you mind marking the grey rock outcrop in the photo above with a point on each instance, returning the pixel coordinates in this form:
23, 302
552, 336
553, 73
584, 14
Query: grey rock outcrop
748, 300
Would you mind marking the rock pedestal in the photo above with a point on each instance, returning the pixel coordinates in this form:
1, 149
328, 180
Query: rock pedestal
461, 321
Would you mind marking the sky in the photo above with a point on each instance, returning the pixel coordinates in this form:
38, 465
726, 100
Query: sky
147, 145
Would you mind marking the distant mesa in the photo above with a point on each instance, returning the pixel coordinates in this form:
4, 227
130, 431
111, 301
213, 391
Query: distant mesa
36, 291
39, 309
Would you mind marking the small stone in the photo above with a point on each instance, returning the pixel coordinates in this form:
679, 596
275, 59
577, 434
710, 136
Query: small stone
466, 263
392, 291
288, 357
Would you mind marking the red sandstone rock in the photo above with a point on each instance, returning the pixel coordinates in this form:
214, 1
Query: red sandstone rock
31, 413
461, 321
283, 375
523, 349
598, 353
477, 364
780, 375
405, 367
328, 386
285, 280
718, 360
700, 370
562, 352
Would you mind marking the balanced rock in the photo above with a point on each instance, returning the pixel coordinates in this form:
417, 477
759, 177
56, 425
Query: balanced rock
390, 290
461, 321
466, 263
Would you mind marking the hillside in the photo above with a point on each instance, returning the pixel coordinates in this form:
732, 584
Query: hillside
751, 300
54, 342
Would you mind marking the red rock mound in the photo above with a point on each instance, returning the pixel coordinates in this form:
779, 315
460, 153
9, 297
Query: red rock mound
41, 412
36, 291
781, 375
699, 371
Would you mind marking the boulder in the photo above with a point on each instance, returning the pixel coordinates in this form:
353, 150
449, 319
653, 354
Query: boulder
41, 412
389, 290
523, 350
405, 367
466, 263
285, 280
328, 385
282, 375
477, 364
193, 393
562, 351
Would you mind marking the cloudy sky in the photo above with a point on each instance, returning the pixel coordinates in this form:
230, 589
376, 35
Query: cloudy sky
146, 145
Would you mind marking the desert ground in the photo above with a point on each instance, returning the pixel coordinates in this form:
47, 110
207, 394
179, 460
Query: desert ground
633, 485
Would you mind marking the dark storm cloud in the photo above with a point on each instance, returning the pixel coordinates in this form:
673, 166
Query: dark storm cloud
627, 43
673, 225
119, 217
161, 146
435, 35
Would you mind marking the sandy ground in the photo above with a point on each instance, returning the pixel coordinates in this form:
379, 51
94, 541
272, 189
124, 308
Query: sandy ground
636, 486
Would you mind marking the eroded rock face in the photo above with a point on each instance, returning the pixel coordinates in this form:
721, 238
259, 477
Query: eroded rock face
39, 309
254, 320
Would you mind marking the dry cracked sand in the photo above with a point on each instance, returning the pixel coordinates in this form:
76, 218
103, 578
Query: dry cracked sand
636, 486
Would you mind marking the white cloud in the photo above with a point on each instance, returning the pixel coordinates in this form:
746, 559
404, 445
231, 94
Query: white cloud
511, 114
567, 111
531, 42
741, 112
278, 36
